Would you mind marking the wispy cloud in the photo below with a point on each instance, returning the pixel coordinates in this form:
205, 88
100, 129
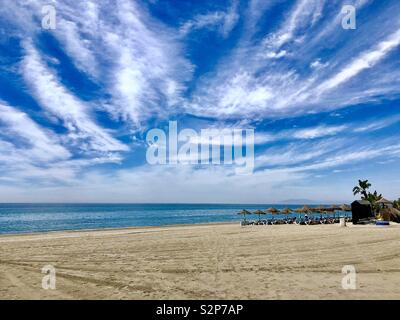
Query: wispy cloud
61, 103
41, 145
365, 61
279, 66
223, 21
317, 132
247, 82
377, 124
352, 157
149, 72
304, 13
136, 60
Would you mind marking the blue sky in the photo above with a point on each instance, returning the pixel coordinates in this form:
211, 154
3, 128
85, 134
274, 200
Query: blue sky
76, 102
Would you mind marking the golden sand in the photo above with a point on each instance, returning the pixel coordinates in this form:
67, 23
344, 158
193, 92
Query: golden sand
222, 261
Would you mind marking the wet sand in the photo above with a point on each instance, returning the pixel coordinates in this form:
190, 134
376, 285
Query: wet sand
222, 261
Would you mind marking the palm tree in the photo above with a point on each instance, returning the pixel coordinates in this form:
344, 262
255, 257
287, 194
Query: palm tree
396, 204
373, 198
363, 186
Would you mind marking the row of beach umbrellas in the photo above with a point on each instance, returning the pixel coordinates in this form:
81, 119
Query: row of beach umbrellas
305, 209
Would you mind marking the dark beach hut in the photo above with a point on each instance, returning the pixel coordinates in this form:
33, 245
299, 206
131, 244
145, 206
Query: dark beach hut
361, 209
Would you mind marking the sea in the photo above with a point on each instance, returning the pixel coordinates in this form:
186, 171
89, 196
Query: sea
29, 218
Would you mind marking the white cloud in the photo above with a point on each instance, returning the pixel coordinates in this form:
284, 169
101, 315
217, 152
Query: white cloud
348, 156
317, 132
364, 61
28, 151
224, 21
276, 55
42, 145
75, 46
303, 13
270, 67
57, 100
135, 60
317, 64
149, 72
377, 124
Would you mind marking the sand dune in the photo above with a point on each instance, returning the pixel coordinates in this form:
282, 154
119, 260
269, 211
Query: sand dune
221, 261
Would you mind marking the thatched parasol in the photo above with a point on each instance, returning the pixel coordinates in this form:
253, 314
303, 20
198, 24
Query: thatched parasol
384, 202
259, 212
286, 211
320, 209
389, 214
244, 212
345, 207
272, 210
305, 209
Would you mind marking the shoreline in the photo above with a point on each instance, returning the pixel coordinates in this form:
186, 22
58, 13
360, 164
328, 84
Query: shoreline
133, 228
160, 228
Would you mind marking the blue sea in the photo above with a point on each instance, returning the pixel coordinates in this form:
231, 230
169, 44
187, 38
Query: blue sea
26, 218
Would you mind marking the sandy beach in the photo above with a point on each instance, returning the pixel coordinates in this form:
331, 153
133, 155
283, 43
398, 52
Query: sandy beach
221, 261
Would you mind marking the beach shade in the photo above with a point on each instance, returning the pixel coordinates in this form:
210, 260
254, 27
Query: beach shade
272, 210
333, 208
298, 210
244, 212
305, 209
393, 214
286, 211
259, 212
345, 207
389, 214
385, 202
323, 208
